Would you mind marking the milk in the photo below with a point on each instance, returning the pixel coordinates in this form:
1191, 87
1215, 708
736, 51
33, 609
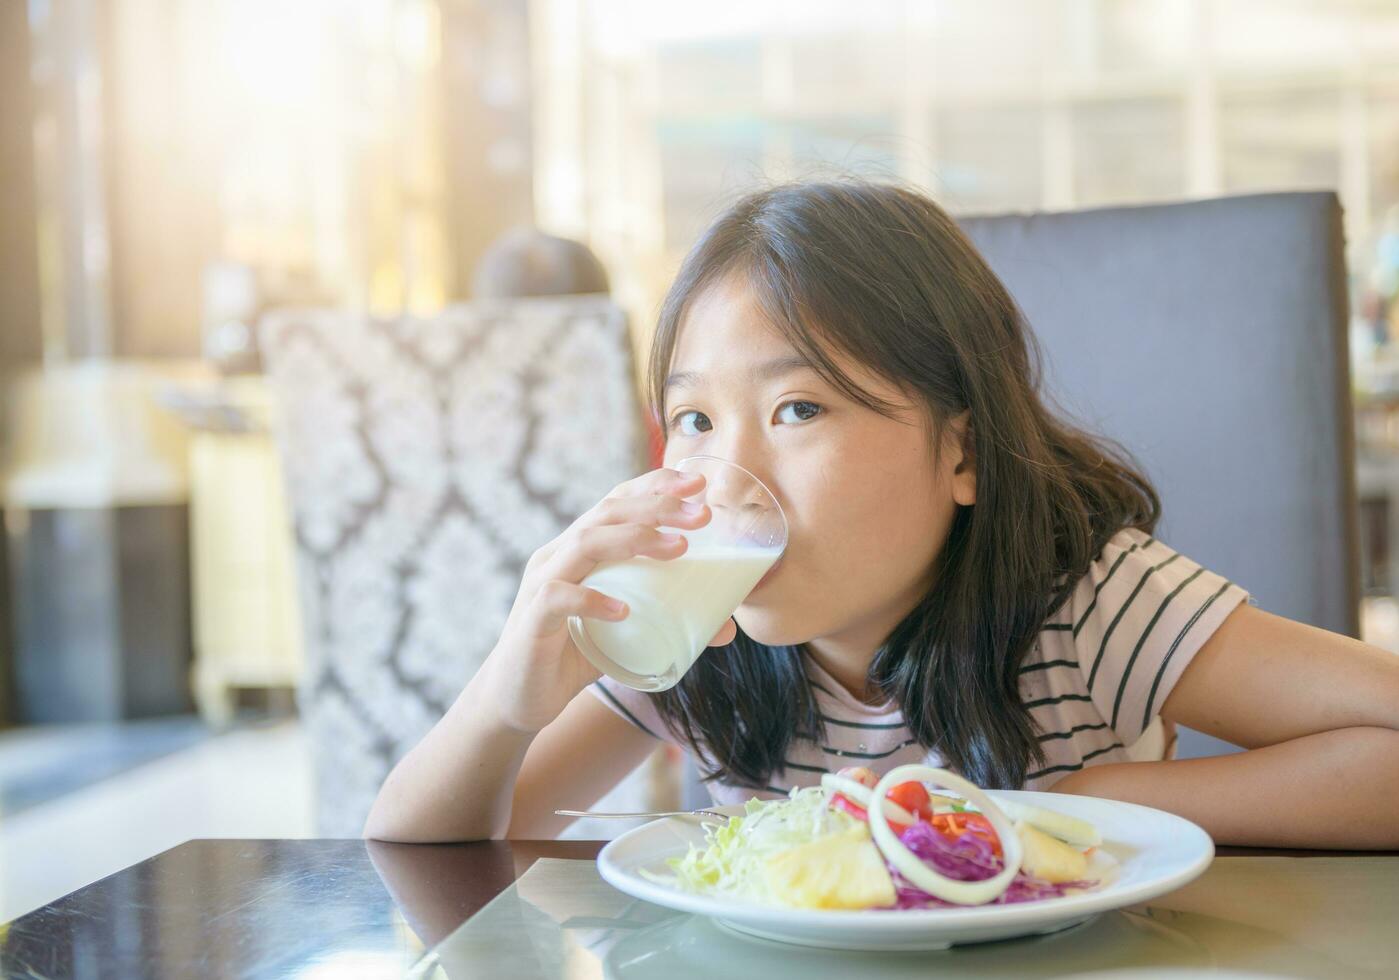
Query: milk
675, 608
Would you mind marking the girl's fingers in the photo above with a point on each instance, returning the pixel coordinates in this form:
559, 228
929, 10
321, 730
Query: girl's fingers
652, 510
665, 481
726, 634
584, 549
556, 601
652, 498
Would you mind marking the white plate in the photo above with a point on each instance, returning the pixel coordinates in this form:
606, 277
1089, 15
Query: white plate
1156, 853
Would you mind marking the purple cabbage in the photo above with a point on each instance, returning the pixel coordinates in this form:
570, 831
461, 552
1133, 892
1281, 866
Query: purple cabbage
965, 858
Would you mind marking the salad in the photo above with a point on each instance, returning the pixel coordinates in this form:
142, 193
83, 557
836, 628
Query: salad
859, 841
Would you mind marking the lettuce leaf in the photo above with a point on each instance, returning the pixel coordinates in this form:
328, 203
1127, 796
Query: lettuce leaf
731, 861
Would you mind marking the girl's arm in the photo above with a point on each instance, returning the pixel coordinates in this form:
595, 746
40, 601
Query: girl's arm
1319, 714
572, 763
473, 777
524, 735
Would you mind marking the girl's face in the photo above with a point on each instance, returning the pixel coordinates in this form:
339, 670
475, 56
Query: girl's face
867, 509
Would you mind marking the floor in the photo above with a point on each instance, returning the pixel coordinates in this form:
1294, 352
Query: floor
249, 782
44, 763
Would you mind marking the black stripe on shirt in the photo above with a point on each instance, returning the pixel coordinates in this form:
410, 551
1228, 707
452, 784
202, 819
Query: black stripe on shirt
752, 786
803, 767
1106, 578
1151, 698
1047, 664
1056, 626
1056, 700
1077, 728
1107, 634
1127, 671
848, 754
1073, 768
623, 709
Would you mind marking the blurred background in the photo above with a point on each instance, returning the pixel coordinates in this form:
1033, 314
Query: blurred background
192, 517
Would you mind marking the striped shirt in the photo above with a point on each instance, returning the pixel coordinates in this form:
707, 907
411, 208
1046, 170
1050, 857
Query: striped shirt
1094, 680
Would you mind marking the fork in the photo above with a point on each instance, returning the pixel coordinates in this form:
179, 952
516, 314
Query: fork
629, 816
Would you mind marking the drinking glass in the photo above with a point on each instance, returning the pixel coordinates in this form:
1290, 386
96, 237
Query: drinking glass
677, 606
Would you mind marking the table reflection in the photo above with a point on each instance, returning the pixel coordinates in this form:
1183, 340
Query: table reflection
217, 909
561, 920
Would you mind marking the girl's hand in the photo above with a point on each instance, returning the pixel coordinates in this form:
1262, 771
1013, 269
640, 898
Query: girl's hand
535, 669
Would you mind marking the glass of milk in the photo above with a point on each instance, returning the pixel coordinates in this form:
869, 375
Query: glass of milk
676, 606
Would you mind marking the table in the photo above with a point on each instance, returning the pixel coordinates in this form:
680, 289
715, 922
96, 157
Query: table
350, 908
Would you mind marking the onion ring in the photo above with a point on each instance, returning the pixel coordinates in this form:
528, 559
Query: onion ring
913, 868
860, 793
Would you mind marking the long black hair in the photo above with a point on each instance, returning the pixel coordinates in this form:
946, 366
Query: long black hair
885, 276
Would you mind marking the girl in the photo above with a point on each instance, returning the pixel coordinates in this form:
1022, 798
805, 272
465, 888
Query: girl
969, 581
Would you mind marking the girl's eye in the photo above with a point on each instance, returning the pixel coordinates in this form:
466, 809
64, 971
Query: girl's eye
691, 423
794, 412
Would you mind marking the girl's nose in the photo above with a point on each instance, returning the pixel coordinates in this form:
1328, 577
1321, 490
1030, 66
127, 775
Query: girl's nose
743, 507
731, 488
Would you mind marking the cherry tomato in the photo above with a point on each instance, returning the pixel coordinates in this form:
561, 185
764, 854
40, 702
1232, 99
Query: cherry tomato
913, 797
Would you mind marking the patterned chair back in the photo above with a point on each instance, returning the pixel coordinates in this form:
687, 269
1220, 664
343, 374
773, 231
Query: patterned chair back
425, 460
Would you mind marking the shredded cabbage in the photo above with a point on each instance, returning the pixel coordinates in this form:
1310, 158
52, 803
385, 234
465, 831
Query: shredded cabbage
966, 858
969, 857
731, 862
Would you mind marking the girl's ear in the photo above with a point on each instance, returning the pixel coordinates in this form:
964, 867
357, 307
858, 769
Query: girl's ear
964, 457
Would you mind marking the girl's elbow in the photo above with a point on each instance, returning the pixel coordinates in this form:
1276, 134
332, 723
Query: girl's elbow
387, 821
379, 826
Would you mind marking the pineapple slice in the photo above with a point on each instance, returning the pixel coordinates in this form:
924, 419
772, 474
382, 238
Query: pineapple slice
840, 871
1049, 859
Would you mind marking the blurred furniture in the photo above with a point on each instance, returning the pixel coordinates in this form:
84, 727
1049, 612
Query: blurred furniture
425, 460
1377, 465
95, 490
1377, 480
1210, 339
246, 630
1377, 477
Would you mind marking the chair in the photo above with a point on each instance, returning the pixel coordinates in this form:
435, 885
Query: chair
1210, 339
425, 460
